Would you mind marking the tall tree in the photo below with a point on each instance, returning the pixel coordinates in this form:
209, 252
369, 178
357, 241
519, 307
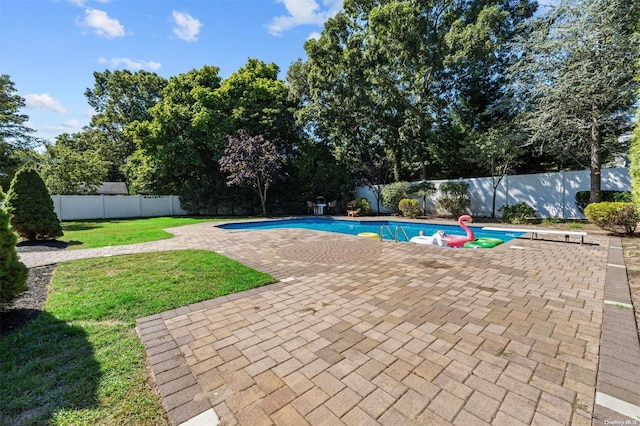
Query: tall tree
120, 98
575, 79
184, 136
13, 129
398, 79
254, 99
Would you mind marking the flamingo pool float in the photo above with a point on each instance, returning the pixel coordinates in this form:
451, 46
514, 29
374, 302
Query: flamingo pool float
440, 239
457, 240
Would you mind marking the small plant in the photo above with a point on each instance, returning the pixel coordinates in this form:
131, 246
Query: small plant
409, 207
455, 198
364, 206
613, 216
517, 213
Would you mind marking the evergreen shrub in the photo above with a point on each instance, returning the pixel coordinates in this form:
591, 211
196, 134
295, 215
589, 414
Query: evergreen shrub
31, 207
13, 274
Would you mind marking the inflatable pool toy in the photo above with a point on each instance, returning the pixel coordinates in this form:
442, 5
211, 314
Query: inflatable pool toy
496, 241
437, 239
422, 239
484, 242
459, 241
369, 235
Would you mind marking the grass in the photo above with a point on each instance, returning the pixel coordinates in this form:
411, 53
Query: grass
103, 233
81, 362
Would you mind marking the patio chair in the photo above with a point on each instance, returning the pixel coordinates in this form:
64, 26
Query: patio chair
332, 206
352, 209
311, 206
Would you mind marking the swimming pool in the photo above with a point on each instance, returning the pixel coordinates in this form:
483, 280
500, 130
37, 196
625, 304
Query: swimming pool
355, 227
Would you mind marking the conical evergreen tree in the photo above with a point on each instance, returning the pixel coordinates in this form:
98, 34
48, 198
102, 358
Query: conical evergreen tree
13, 274
31, 207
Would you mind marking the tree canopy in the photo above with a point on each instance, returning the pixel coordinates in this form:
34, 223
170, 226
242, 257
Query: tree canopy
16, 139
179, 147
392, 90
13, 129
119, 98
575, 80
405, 80
71, 166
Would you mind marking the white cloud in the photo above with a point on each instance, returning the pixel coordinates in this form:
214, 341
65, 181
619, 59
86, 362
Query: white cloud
314, 35
186, 26
43, 102
303, 12
102, 24
83, 3
69, 126
130, 64
72, 124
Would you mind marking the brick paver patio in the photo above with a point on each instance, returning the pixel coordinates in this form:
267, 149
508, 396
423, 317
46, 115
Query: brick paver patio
360, 332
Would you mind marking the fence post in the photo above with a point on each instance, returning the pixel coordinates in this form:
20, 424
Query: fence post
564, 194
506, 190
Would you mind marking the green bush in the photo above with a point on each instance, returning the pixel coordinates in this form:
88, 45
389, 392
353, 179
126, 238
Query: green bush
409, 207
517, 213
392, 194
13, 274
364, 206
455, 198
613, 216
582, 198
31, 207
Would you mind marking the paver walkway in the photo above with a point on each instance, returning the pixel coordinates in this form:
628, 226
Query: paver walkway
361, 332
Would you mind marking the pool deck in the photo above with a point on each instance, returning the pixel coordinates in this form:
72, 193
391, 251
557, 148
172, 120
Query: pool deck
359, 332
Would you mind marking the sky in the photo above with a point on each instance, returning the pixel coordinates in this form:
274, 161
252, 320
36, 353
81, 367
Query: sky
51, 48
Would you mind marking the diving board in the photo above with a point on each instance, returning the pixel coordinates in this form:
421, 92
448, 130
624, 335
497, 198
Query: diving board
535, 231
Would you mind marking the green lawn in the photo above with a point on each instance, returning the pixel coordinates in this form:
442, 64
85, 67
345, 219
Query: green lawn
103, 233
81, 362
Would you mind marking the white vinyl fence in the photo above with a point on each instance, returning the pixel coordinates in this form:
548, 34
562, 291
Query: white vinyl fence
77, 207
551, 194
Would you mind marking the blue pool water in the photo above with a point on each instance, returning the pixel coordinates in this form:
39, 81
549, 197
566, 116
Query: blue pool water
356, 227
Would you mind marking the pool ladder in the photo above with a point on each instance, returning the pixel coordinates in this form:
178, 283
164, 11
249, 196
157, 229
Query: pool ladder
394, 236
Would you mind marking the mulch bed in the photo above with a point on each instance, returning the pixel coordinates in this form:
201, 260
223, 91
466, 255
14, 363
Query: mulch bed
30, 303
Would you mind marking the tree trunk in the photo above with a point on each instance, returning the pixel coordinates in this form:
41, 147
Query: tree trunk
595, 195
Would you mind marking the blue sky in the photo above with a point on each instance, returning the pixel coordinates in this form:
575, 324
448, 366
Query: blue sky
50, 48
